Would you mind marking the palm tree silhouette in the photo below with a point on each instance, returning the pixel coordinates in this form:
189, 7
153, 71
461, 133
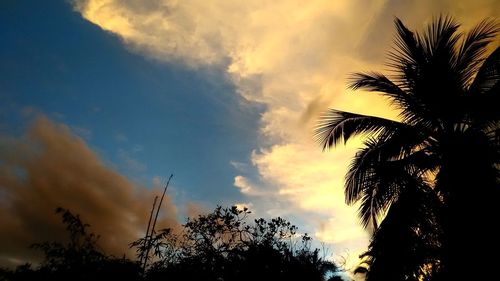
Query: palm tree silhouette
428, 183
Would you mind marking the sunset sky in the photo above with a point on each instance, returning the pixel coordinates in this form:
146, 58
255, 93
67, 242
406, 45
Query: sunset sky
103, 99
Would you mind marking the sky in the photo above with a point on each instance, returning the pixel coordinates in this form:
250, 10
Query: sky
103, 99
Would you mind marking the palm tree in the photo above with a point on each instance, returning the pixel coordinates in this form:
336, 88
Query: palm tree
427, 183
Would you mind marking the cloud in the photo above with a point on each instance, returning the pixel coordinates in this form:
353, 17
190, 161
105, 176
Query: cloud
293, 57
82, 132
243, 205
247, 187
130, 164
52, 167
120, 137
194, 210
242, 183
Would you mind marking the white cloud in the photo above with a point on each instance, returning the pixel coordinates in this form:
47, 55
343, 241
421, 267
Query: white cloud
247, 187
242, 183
243, 205
129, 163
294, 57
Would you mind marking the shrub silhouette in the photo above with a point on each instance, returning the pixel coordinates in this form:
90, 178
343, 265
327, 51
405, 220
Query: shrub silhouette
223, 246
220, 245
78, 259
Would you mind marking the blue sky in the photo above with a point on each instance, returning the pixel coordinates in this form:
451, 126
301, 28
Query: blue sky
223, 94
144, 117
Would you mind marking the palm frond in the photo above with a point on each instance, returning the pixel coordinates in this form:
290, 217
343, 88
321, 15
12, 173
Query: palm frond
382, 186
419, 60
488, 75
377, 82
483, 97
404, 242
382, 169
335, 126
400, 146
440, 39
473, 49
407, 48
412, 111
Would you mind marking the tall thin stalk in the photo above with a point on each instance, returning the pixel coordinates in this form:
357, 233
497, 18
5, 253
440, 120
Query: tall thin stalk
146, 241
149, 245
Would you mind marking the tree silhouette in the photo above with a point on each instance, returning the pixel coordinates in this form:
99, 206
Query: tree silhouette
77, 259
81, 248
428, 183
222, 245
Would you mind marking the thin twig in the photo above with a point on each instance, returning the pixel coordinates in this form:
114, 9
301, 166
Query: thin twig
154, 223
146, 240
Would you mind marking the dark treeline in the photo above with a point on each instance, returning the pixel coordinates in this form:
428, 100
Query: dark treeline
221, 245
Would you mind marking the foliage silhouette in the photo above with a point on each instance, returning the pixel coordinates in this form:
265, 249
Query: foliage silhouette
81, 248
78, 259
428, 183
220, 245
223, 246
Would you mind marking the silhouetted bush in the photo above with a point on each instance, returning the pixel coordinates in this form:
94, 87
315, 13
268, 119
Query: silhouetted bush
216, 246
78, 259
223, 246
